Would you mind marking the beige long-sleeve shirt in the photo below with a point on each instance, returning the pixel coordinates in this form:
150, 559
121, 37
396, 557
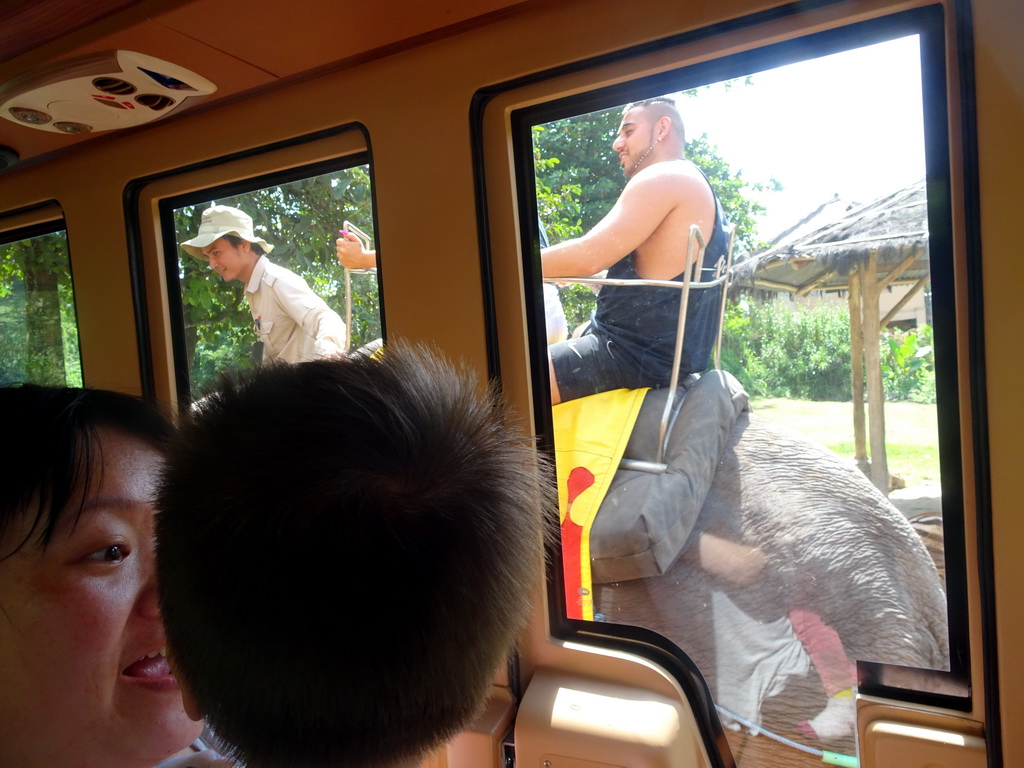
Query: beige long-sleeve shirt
294, 324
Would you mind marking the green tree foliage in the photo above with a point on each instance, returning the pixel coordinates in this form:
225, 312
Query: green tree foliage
38, 329
578, 174
301, 220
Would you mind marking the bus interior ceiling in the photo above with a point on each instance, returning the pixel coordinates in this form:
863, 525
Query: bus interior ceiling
241, 47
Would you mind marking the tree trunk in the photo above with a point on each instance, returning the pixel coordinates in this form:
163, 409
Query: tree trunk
855, 301
44, 355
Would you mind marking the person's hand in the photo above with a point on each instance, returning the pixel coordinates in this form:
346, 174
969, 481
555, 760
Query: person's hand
351, 253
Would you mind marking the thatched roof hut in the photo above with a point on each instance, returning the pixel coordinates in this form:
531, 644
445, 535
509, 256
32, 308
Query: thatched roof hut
892, 227
871, 248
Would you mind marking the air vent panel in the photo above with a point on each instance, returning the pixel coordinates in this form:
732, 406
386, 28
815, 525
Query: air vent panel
132, 88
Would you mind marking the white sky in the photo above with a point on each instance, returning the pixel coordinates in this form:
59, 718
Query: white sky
849, 123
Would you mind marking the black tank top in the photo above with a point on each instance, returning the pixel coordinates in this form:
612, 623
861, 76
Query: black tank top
642, 320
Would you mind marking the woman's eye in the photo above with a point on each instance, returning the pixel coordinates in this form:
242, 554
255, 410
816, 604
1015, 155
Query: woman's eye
115, 553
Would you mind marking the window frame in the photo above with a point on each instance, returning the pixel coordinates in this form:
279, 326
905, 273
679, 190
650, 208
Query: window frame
153, 252
737, 48
45, 218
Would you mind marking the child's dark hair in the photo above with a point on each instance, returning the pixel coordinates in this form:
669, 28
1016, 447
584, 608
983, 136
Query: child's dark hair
54, 451
345, 554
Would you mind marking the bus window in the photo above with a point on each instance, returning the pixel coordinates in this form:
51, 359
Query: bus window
38, 327
300, 219
781, 523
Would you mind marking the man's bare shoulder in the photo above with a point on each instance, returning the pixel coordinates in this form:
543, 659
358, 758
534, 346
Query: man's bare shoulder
670, 179
680, 171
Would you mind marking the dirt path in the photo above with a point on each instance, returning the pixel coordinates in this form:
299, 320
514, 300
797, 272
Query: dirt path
926, 497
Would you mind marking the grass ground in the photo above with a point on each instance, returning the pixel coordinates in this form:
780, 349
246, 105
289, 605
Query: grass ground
910, 431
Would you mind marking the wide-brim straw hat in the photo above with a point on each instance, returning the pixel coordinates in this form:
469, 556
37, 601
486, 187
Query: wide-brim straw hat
220, 220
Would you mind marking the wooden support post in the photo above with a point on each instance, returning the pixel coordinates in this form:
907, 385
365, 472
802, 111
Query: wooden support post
860, 450
873, 369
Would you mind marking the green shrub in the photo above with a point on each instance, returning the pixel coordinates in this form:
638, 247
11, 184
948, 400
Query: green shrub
908, 366
777, 349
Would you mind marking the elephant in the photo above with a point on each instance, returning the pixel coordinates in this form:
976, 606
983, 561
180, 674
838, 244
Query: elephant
800, 536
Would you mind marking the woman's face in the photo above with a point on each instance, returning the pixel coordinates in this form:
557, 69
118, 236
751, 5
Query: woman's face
83, 680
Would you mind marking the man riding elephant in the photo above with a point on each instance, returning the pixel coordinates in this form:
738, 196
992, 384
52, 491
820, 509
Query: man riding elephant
631, 339
630, 343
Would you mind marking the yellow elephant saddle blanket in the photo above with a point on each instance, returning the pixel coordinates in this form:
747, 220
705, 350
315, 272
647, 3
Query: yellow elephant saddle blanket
590, 439
621, 524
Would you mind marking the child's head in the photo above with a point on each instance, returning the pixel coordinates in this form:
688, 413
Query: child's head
345, 555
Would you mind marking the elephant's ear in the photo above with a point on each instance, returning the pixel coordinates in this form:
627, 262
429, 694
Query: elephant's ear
646, 519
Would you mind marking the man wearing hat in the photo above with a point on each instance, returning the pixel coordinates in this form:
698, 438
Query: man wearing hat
293, 323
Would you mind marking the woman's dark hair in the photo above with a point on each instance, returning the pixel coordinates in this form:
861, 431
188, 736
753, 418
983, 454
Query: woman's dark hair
52, 447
